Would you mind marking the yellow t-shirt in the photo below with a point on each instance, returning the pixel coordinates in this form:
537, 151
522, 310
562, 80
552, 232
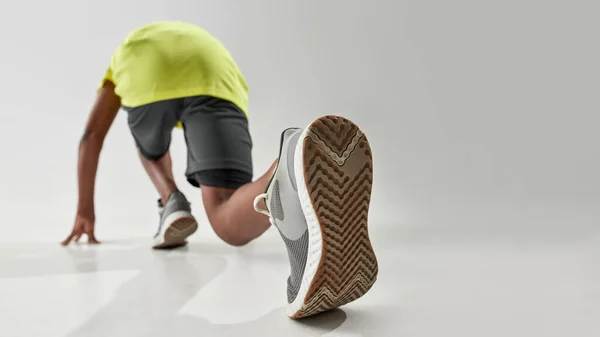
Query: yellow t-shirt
166, 60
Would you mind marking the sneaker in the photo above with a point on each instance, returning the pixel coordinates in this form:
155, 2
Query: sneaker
319, 199
176, 222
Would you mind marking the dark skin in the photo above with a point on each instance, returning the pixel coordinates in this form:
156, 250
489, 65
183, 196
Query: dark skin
230, 212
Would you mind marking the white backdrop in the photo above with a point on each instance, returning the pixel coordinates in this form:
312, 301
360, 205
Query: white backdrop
482, 114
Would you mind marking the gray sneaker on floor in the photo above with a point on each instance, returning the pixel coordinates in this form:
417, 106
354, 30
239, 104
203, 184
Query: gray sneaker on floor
319, 200
176, 222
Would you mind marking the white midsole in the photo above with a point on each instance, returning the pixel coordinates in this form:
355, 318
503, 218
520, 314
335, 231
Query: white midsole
169, 220
315, 245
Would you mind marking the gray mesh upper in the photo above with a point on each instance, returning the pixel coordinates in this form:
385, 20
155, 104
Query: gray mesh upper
286, 212
297, 253
275, 206
176, 202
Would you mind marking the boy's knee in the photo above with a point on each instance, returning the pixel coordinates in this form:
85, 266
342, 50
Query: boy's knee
236, 242
233, 239
229, 233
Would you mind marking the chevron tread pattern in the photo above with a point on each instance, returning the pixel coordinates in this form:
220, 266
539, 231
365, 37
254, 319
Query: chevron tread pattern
339, 173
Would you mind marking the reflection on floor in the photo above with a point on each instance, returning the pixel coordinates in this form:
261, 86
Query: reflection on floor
426, 287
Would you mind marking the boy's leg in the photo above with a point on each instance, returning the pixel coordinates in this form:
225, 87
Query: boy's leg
317, 196
161, 173
231, 213
151, 126
220, 163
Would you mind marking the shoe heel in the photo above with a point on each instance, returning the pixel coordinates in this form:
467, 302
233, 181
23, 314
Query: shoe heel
177, 232
338, 173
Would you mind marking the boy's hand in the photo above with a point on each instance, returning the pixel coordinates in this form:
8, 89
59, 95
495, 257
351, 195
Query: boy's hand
84, 224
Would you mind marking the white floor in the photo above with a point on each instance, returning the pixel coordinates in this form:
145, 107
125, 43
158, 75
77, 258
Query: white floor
432, 283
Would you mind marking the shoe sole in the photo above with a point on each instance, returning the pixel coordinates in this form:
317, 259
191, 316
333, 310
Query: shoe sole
334, 170
178, 231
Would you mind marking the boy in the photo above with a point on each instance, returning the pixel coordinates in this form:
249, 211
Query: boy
175, 74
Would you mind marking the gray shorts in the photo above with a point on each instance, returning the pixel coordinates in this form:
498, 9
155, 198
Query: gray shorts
216, 133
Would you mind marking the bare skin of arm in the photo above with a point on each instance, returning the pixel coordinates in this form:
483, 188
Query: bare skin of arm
101, 117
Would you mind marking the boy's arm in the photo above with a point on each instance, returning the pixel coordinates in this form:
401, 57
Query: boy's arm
101, 117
